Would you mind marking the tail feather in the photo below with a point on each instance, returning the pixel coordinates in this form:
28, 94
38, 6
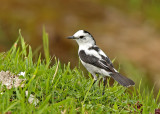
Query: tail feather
124, 81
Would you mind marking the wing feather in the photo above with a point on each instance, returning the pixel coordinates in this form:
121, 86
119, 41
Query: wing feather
93, 60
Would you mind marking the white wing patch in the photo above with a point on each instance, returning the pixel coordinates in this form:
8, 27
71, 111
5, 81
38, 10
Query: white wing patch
90, 52
102, 53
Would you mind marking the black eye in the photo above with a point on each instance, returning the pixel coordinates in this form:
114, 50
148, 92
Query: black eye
81, 36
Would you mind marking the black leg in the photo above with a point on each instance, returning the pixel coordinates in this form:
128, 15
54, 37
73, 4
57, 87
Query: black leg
104, 84
94, 82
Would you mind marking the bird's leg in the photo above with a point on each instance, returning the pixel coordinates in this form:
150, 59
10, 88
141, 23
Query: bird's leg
104, 83
94, 82
95, 79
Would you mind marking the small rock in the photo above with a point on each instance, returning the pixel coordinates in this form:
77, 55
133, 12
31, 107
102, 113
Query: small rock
10, 80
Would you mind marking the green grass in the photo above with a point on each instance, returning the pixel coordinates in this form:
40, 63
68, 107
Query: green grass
62, 89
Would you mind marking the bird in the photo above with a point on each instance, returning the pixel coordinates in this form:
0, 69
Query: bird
96, 61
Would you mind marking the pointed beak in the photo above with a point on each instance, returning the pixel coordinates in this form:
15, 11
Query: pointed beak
71, 37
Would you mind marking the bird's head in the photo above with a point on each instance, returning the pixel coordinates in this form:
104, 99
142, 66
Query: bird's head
83, 38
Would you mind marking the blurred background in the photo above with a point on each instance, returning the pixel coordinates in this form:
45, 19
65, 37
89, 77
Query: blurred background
128, 30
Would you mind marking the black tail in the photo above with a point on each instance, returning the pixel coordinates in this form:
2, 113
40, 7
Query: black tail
124, 81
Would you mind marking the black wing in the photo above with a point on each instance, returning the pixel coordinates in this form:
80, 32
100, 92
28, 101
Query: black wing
105, 59
90, 59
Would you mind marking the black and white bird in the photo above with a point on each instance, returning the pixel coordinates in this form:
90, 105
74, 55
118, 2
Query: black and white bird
95, 60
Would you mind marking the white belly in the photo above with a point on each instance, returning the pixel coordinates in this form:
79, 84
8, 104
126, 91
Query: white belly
93, 69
